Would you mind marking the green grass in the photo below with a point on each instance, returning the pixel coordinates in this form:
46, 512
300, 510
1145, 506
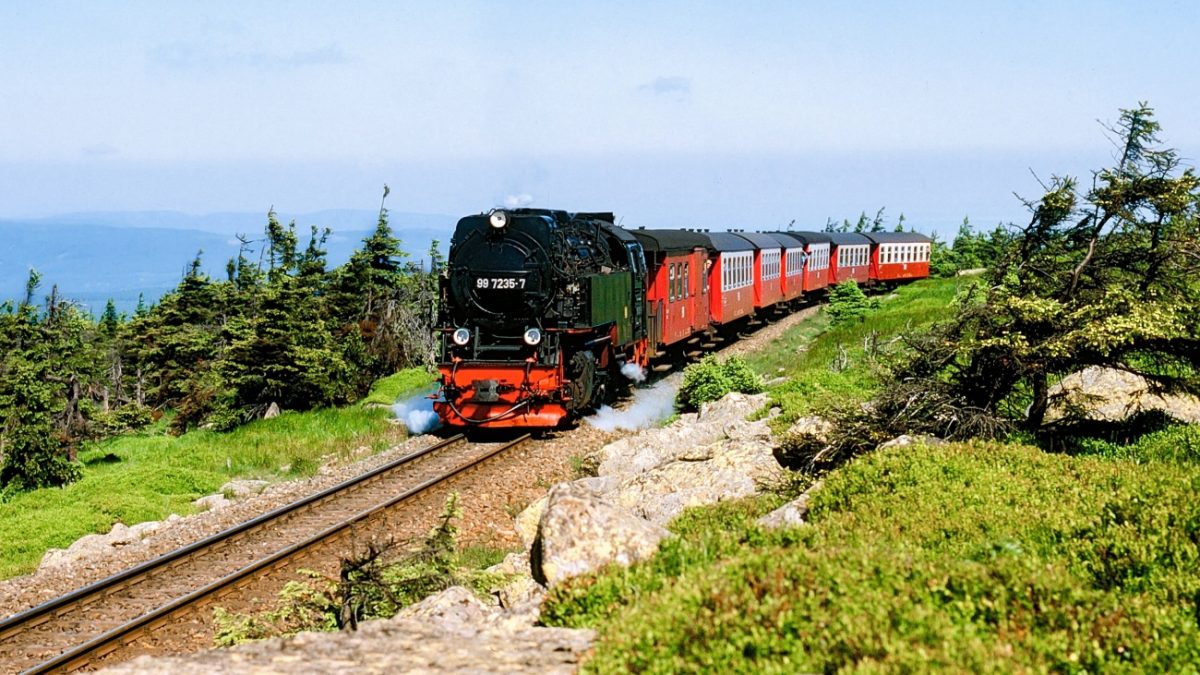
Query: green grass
135, 478
387, 390
826, 364
970, 557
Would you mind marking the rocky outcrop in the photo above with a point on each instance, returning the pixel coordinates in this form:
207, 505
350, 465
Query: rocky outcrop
213, 502
240, 488
528, 521
651, 448
791, 514
580, 533
728, 468
450, 632
645, 481
1110, 395
101, 544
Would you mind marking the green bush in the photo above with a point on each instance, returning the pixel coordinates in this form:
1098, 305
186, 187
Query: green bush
969, 557
710, 379
127, 418
847, 302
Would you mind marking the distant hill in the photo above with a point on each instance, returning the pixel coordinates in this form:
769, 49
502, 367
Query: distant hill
96, 256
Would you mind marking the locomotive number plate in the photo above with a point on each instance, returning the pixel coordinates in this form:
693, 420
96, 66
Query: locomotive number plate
500, 283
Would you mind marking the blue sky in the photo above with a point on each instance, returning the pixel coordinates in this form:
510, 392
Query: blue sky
747, 114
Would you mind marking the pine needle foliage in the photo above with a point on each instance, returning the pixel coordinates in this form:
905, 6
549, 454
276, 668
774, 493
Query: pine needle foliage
281, 328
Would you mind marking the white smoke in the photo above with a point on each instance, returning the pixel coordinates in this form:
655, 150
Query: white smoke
634, 372
648, 407
518, 201
417, 414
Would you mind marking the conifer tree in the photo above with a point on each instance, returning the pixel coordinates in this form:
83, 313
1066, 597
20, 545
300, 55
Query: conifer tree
32, 452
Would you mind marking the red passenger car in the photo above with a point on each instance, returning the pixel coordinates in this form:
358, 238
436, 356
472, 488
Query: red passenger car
899, 255
677, 296
768, 268
792, 276
731, 279
850, 255
817, 246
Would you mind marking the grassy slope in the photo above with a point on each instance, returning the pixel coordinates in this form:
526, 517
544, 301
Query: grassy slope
970, 557
809, 353
142, 477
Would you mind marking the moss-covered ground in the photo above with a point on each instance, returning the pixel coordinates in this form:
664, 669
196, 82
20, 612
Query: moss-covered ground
972, 557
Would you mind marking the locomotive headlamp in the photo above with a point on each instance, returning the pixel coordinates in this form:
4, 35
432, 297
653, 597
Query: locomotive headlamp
532, 336
461, 336
498, 219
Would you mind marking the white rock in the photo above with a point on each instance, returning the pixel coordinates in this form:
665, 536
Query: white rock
521, 599
272, 411
791, 514
812, 425
526, 522
455, 610
240, 488
905, 440
580, 533
212, 502
651, 448
513, 564
728, 468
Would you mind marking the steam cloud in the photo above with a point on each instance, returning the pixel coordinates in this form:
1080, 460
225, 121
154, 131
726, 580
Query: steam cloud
634, 372
417, 414
648, 407
517, 201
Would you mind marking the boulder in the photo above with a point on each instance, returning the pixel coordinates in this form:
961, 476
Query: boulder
580, 532
454, 610
240, 488
521, 599
810, 426
1110, 395
737, 459
526, 522
791, 514
272, 411
650, 448
214, 502
513, 564
905, 440
728, 469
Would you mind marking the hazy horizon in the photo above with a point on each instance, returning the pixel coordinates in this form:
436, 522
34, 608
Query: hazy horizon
669, 114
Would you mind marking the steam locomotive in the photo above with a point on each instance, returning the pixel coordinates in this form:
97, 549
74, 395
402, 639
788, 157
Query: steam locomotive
544, 314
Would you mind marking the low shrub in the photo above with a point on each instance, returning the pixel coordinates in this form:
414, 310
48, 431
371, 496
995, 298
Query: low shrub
848, 303
710, 379
971, 557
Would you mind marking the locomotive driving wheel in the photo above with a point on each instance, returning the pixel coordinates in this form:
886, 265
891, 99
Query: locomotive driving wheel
582, 370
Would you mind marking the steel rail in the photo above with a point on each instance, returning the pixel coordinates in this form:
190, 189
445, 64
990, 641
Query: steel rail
39, 614
128, 632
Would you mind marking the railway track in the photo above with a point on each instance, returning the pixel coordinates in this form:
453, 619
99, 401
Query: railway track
76, 629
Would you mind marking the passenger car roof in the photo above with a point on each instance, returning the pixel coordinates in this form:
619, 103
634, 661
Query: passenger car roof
671, 240
848, 239
728, 241
810, 237
897, 237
